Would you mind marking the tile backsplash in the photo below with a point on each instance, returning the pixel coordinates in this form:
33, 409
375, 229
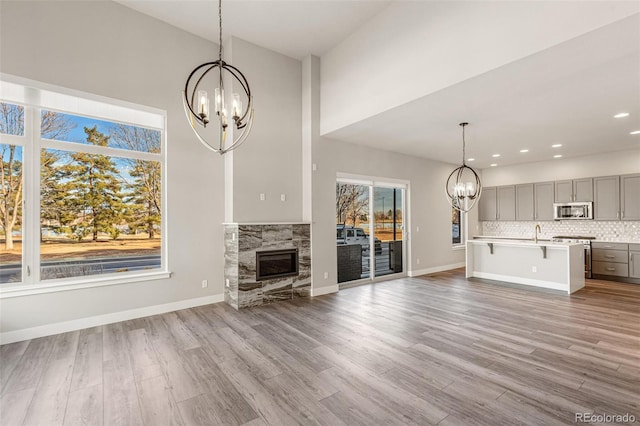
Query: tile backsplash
627, 231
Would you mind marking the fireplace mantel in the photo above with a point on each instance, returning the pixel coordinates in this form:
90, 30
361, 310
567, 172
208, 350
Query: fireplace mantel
243, 240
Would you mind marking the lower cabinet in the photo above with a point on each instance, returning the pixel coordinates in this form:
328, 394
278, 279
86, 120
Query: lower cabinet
634, 260
612, 259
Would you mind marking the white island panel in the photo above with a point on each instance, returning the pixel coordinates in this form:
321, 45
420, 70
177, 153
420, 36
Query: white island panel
557, 266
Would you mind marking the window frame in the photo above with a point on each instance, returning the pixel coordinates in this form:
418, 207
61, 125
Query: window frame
32, 143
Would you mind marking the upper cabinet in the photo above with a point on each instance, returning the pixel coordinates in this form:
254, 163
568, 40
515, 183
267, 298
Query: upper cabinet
544, 196
630, 197
568, 191
606, 204
613, 197
507, 202
487, 204
524, 202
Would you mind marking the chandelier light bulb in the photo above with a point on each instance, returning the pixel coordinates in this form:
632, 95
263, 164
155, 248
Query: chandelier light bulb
236, 106
203, 110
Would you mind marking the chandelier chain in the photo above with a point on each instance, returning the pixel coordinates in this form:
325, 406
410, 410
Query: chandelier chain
464, 145
220, 29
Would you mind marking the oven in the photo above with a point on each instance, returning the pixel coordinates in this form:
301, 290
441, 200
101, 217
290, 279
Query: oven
586, 242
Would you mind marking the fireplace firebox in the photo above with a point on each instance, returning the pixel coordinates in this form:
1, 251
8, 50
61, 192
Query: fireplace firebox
276, 263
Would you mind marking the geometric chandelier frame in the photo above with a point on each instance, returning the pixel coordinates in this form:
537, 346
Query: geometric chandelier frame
463, 187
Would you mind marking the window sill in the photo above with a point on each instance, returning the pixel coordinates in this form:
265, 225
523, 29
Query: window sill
52, 286
458, 247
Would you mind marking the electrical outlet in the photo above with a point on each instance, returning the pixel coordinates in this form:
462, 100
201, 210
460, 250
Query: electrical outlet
417, 229
226, 282
314, 167
205, 283
417, 261
326, 275
262, 196
283, 197
534, 269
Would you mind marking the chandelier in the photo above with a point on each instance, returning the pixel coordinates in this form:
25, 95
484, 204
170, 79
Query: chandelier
196, 102
463, 186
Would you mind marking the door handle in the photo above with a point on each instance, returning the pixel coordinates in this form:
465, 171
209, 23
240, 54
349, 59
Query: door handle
611, 269
608, 256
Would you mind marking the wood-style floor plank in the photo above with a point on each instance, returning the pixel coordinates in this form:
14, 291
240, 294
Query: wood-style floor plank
87, 370
50, 400
29, 369
85, 407
157, 404
438, 349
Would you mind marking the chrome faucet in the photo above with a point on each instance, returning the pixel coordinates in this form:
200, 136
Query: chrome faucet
537, 230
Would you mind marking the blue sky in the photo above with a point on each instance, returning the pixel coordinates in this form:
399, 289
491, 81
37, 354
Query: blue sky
77, 134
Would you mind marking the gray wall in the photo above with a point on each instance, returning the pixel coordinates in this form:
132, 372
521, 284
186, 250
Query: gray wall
270, 161
428, 208
107, 49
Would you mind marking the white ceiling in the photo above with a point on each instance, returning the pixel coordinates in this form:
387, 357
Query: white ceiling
567, 94
294, 28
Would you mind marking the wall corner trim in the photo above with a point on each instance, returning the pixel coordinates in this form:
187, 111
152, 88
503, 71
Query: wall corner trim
324, 290
94, 321
435, 269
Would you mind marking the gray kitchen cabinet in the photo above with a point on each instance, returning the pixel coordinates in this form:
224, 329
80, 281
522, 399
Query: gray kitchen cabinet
524, 202
634, 260
630, 197
564, 191
487, 204
610, 259
506, 197
606, 205
544, 196
568, 191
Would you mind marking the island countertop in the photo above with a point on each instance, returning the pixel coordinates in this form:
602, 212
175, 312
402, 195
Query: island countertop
547, 264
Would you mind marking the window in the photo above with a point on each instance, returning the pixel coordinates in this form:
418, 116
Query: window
92, 172
456, 227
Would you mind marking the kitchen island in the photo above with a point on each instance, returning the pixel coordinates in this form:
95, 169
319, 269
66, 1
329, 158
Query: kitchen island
546, 264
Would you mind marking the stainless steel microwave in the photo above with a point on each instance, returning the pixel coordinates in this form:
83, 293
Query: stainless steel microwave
567, 211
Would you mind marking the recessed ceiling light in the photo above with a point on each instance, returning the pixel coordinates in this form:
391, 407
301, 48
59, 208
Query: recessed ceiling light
557, 156
557, 145
496, 155
493, 165
621, 115
471, 159
524, 150
635, 132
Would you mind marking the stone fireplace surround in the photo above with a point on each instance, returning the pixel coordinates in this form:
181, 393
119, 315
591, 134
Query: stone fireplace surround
242, 241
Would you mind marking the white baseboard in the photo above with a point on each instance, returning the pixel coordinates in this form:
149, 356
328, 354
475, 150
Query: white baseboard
435, 269
79, 324
324, 290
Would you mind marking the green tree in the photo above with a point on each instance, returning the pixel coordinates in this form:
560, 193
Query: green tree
54, 208
145, 197
53, 125
94, 193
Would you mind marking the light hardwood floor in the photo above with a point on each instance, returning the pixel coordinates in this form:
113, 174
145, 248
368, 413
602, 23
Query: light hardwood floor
436, 349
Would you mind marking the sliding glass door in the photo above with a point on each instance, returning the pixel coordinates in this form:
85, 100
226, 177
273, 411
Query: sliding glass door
388, 230
369, 229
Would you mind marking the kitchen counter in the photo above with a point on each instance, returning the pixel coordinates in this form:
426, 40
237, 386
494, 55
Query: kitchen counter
546, 264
